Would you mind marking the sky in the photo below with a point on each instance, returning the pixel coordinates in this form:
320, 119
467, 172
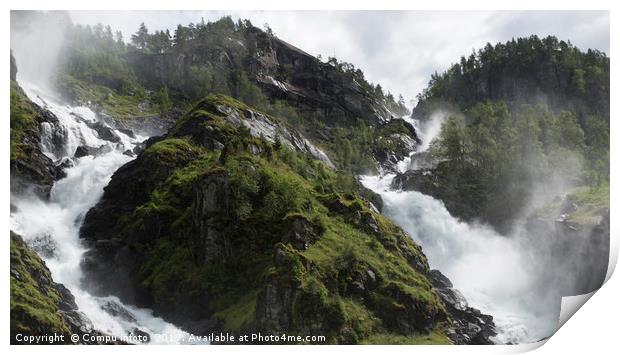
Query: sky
397, 49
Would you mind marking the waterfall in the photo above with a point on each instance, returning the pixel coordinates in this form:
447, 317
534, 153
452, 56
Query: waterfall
495, 273
54, 225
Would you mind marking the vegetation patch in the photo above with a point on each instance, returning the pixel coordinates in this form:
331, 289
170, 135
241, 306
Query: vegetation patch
283, 219
23, 119
34, 300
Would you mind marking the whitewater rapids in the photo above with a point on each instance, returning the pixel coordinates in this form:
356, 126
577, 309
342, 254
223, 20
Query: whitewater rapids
58, 220
495, 273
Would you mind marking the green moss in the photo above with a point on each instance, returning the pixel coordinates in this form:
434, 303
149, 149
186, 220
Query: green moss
265, 193
34, 301
23, 119
172, 149
591, 201
170, 270
433, 338
118, 105
239, 313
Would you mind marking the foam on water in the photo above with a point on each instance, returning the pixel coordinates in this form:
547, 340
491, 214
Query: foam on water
494, 272
60, 218
490, 270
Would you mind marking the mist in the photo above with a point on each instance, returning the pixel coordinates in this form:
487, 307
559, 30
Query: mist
520, 276
37, 39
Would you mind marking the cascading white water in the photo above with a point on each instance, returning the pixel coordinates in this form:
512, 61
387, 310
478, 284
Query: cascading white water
58, 220
494, 272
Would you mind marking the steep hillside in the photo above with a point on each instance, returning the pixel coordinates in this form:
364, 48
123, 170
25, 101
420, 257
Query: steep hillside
31, 170
221, 225
330, 102
523, 122
528, 70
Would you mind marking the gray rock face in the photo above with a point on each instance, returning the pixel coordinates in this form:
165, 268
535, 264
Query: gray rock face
276, 304
573, 256
211, 218
149, 126
262, 126
83, 151
116, 310
469, 325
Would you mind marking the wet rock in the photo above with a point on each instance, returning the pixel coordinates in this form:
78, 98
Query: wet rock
573, 254
262, 126
433, 182
116, 310
53, 135
62, 164
439, 280
138, 148
104, 132
149, 125
83, 151
128, 132
67, 300
469, 325
78, 322
371, 277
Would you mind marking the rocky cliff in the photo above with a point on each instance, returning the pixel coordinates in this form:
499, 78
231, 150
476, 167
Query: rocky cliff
330, 103
282, 70
235, 222
574, 240
31, 170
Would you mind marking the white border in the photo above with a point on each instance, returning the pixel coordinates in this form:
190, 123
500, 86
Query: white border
593, 329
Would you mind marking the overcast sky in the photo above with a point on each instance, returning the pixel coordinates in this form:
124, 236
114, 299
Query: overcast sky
397, 49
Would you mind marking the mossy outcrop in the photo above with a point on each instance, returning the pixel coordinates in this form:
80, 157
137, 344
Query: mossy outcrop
40, 306
220, 226
31, 170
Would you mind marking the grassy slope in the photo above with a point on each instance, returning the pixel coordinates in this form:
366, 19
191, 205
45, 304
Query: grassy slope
34, 302
591, 202
118, 105
23, 119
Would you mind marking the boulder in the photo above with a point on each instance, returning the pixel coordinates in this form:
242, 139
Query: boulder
468, 325
117, 310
